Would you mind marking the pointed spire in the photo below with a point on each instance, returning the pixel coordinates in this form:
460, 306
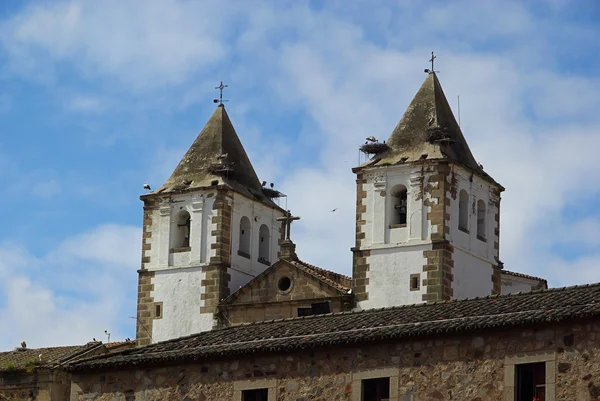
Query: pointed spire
428, 127
215, 157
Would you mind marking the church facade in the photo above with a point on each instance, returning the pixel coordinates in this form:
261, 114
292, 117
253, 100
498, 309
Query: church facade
228, 310
427, 230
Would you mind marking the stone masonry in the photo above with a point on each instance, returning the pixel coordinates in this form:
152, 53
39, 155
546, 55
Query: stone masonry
439, 267
216, 279
472, 367
145, 286
360, 266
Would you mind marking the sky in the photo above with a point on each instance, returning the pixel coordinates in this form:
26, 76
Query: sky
97, 98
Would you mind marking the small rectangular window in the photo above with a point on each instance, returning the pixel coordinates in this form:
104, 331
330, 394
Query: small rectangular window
305, 311
531, 381
158, 310
415, 280
261, 394
376, 389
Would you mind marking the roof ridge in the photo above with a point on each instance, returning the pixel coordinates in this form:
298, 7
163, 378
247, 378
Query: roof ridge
320, 268
518, 274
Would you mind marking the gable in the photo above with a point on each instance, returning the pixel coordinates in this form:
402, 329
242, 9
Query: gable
284, 282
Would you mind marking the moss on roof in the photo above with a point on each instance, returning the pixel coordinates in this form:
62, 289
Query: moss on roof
216, 157
428, 127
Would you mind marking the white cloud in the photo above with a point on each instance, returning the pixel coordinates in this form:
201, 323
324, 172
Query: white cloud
86, 104
533, 127
161, 43
72, 294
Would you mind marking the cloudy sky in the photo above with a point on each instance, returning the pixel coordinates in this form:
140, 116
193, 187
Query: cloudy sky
97, 97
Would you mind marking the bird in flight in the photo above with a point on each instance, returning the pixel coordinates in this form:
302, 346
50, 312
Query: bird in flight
333, 210
147, 187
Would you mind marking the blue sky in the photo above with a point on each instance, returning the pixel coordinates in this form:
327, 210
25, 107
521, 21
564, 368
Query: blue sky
98, 97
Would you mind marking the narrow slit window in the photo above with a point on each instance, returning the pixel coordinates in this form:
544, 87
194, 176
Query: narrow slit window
481, 220
158, 310
414, 282
463, 211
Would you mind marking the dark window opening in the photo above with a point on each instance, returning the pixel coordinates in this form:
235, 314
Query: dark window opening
318, 308
158, 310
531, 381
376, 389
284, 284
400, 196
414, 282
261, 394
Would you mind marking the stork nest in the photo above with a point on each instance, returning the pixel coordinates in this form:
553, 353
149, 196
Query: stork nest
437, 134
272, 193
221, 168
374, 148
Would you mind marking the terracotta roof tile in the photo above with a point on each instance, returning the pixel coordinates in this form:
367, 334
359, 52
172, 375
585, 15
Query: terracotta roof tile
22, 358
509, 273
337, 280
367, 326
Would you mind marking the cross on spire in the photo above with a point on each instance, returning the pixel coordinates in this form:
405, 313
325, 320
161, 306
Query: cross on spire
433, 57
220, 99
287, 223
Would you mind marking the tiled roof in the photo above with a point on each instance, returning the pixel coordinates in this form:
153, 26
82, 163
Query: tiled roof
337, 280
119, 344
23, 358
442, 318
509, 273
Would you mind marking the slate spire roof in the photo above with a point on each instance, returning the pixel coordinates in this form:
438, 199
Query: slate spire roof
217, 154
428, 127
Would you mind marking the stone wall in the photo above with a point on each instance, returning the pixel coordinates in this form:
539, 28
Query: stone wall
42, 385
472, 367
264, 300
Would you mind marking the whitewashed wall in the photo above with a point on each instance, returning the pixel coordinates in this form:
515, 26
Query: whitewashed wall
473, 258
180, 291
396, 253
389, 276
512, 284
178, 278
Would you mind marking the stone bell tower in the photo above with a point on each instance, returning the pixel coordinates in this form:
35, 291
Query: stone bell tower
428, 215
209, 229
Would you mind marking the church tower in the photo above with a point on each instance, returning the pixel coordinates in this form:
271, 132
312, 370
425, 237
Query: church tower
428, 215
208, 230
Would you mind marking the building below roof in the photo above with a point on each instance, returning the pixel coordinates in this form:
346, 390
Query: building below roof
518, 282
506, 347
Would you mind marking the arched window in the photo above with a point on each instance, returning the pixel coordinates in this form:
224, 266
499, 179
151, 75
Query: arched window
463, 211
481, 219
181, 234
399, 208
264, 239
244, 249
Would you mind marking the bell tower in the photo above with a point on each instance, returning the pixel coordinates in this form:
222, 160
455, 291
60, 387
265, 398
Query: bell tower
209, 229
427, 214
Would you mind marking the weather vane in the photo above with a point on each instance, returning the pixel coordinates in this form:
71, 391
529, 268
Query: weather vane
433, 57
220, 99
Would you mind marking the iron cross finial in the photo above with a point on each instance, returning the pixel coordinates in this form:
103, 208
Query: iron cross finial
287, 223
432, 59
220, 99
